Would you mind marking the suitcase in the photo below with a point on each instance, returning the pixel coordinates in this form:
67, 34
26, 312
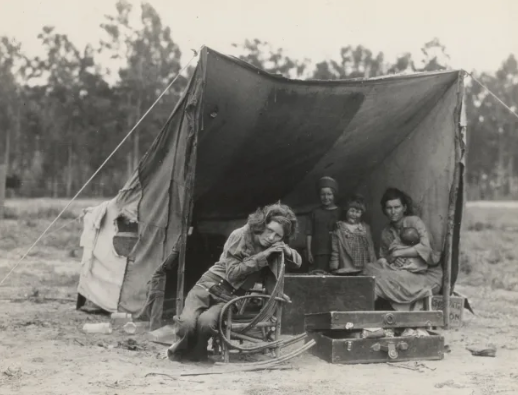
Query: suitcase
339, 320
339, 341
318, 294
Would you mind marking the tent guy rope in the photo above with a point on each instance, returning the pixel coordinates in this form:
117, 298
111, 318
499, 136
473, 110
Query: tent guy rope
492, 94
100, 167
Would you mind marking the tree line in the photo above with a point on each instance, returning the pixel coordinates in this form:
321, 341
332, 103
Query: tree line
62, 114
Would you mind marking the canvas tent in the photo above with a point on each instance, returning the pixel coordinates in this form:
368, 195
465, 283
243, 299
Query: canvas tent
241, 138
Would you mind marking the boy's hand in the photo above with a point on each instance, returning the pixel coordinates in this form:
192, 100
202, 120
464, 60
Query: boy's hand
277, 247
286, 298
311, 260
285, 248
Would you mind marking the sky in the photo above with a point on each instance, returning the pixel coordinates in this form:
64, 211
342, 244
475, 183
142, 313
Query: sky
478, 35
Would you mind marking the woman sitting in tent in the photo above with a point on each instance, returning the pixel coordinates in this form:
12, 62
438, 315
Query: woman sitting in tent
351, 243
397, 281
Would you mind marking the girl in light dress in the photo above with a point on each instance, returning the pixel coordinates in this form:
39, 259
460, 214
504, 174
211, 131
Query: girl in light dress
351, 243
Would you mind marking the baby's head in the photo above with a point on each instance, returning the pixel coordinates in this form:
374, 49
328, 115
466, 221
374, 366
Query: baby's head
327, 191
409, 236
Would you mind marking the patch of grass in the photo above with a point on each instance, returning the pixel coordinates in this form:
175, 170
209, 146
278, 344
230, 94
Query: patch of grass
478, 219
62, 240
40, 274
489, 249
46, 208
26, 219
479, 226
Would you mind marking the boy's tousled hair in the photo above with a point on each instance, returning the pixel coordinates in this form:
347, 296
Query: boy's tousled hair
279, 213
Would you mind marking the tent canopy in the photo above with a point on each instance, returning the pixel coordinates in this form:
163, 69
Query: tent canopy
241, 138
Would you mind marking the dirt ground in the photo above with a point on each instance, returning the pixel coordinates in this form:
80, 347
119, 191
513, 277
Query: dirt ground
44, 350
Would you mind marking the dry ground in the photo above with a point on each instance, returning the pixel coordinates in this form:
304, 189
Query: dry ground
43, 349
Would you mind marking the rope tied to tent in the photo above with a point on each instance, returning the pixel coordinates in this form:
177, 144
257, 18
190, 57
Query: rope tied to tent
493, 94
100, 167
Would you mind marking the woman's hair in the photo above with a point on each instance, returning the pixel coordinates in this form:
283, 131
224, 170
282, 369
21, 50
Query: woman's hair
279, 213
393, 194
355, 201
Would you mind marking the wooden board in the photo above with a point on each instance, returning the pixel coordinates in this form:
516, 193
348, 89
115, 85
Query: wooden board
317, 294
339, 320
436, 303
354, 351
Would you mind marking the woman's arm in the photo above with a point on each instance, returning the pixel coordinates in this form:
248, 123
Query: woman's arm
423, 249
409, 252
385, 243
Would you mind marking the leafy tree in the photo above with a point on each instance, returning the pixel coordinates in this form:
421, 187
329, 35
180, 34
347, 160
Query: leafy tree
149, 60
65, 71
492, 133
273, 60
356, 62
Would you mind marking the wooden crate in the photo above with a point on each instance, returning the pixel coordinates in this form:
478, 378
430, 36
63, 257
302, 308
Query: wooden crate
333, 348
351, 320
316, 294
436, 303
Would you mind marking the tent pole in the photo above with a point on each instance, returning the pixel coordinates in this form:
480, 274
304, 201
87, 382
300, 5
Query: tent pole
448, 256
179, 283
449, 247
193, 114
185, 232
186, 216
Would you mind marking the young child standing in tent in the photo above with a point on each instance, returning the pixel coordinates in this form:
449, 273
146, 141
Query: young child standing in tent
321, 223
351, 243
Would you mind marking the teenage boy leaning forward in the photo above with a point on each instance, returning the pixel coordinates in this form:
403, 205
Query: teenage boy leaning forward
246, 259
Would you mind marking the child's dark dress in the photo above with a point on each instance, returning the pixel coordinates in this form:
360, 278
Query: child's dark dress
320, 226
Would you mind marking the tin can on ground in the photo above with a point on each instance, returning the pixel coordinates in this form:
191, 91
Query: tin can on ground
100, 327
121, 318
130, 328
